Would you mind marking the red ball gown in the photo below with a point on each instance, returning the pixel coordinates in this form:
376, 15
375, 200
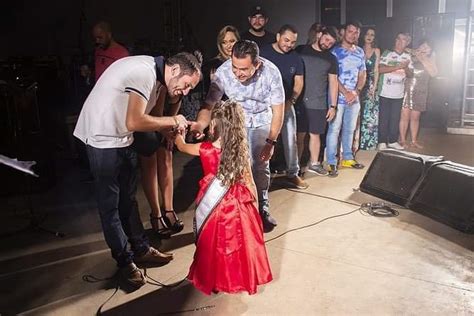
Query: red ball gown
230, 251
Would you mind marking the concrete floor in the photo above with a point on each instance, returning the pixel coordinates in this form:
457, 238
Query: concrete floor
349, 265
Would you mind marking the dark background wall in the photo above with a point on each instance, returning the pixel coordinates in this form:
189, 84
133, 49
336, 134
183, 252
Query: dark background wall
54, 27
63, 29
43, 43
213, 15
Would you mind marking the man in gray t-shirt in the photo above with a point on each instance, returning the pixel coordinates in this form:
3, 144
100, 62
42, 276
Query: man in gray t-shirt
313, 111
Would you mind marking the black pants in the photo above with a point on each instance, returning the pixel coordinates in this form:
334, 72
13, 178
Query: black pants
389, 119
115, 175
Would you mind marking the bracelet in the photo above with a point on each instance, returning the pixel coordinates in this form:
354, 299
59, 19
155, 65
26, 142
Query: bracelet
332, 106
271, 142
176, 122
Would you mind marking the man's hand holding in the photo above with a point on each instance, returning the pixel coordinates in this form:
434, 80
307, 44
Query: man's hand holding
351, 96
197, 130
180, 123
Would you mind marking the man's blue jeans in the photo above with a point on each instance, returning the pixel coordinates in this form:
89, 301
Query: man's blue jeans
256, 137
346, 119
288, 136
115, 179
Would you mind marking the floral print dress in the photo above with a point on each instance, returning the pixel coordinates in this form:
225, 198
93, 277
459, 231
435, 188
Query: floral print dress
370, 109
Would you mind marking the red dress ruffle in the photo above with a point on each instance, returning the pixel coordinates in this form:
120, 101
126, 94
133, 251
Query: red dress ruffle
230, 252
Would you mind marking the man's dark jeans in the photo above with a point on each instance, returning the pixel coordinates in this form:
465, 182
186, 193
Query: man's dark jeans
115, 178
389, 119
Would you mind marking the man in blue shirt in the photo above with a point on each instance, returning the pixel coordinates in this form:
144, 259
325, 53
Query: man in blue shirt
352, 75
256, 83
290, 64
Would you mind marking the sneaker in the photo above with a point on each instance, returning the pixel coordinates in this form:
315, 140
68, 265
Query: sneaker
298, 182
333, 171
395, 145
132, 275
154, 256
269, 222
318, 169
352, 164
381, 146
301, 174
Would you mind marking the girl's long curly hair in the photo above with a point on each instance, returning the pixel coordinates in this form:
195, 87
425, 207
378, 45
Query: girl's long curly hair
228, 119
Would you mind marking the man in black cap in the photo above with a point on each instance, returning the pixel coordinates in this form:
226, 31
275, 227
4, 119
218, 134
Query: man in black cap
257, 33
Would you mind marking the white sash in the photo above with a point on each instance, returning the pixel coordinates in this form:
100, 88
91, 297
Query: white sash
214, 194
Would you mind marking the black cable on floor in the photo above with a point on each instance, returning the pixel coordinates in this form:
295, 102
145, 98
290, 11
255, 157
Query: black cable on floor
323, 196
93, 279
377, 209
99, 310
158, 283
89, 278
197, 309
309, 225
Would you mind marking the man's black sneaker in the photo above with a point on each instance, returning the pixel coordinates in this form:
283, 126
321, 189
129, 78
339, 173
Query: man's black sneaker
317, 169
268, 222
333, 171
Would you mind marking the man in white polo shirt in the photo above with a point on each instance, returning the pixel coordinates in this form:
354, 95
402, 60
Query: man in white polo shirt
118, 105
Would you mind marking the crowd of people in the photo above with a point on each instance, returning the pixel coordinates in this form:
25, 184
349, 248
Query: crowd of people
329, 95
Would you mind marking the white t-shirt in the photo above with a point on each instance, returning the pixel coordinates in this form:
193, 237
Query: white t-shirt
101, 123
392, 84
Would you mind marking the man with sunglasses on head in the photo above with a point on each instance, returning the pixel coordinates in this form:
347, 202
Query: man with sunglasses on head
125, 100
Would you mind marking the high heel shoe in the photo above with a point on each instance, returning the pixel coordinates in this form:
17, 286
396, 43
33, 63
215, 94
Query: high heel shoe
178, 224
162, 232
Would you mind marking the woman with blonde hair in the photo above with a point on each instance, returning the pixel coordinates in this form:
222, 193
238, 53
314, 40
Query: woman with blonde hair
416, 91
226, 38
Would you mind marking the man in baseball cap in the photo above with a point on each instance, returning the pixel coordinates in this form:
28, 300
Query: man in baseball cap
257, 33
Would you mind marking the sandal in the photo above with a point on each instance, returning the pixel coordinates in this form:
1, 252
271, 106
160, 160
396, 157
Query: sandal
162, 232
178, 224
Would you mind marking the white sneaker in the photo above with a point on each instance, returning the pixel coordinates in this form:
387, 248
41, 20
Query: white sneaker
381, 146
396, 145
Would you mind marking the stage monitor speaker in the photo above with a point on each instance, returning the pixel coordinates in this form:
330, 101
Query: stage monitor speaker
394, 174
446, 194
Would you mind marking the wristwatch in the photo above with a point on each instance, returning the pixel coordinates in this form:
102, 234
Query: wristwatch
332, 106
293, 101
271, 142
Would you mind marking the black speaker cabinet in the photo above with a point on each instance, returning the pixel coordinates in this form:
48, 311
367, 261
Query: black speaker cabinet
393, 175
446, 194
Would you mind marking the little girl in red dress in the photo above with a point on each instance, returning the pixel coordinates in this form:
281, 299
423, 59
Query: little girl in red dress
230, 251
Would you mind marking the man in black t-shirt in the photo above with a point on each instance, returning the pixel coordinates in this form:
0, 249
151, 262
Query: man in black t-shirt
290, 64
257, 33
314, 109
